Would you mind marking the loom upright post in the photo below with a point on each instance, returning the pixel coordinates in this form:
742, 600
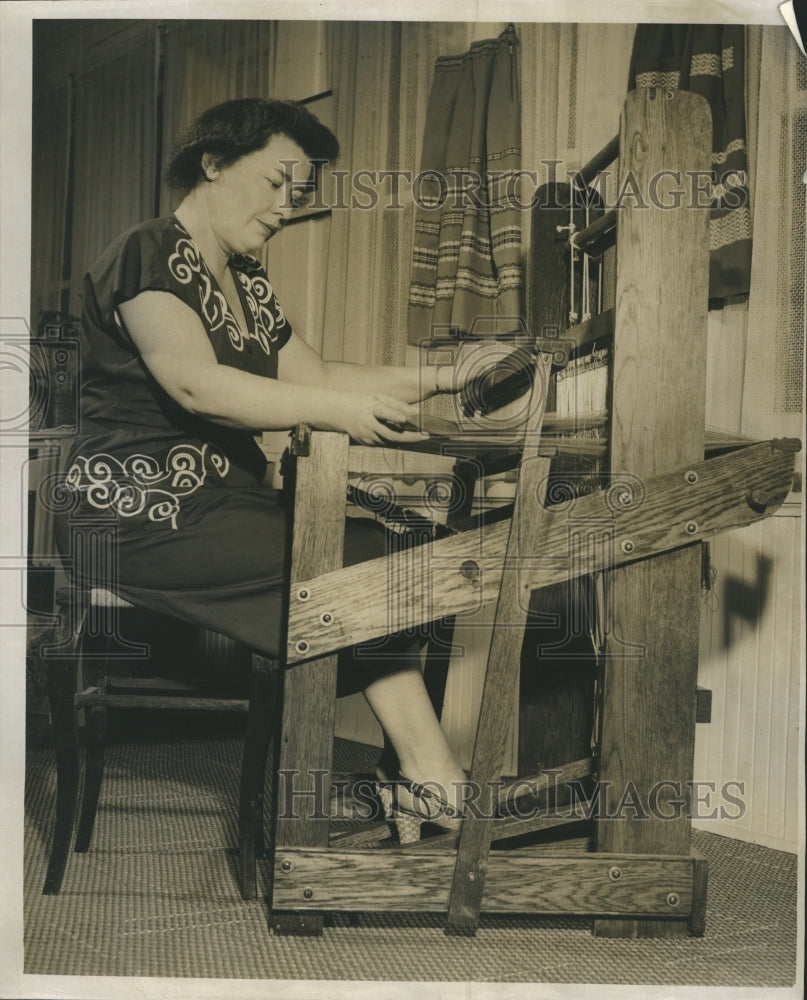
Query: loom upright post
649, 674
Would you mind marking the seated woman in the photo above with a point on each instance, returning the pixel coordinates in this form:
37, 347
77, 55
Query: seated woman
187, 354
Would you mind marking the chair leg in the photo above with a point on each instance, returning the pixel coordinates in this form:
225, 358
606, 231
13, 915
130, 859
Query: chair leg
93, 774
61, 685
261, 721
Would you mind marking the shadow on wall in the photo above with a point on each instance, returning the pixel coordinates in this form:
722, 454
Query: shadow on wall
744, 599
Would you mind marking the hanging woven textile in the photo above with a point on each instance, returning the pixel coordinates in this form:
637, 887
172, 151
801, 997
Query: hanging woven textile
466, 262
709, 59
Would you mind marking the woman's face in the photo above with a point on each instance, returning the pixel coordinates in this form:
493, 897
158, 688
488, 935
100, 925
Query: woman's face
249, 200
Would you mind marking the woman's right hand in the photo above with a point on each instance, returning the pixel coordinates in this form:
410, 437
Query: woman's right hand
373, 418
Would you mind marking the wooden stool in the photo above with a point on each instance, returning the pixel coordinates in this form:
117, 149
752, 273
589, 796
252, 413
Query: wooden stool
92, 614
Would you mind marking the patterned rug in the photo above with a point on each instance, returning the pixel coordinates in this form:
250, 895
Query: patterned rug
157, 896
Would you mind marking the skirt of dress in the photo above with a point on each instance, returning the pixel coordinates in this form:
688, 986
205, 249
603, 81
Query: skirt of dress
224, 568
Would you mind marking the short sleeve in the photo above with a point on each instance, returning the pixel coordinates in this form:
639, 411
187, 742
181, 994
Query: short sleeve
161, 256
151, 257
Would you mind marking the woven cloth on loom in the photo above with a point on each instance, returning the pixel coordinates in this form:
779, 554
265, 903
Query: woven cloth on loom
709, 59
466, 262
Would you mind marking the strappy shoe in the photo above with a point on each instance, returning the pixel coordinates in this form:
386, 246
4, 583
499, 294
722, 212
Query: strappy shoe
424, 805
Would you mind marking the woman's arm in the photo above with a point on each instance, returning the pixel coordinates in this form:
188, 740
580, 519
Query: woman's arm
300, 363
176, 351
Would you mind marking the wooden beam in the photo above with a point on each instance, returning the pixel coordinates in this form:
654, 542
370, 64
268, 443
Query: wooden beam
462, 573
658, 414
396, 881
526, 531
309, 691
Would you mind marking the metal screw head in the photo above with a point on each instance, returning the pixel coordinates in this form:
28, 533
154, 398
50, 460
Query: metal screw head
302, 646
308, 892
627, 545
692, 527
286, 865
470, 570
472, 876
326, 618
303, 594
691, 476
614, 874
673, 899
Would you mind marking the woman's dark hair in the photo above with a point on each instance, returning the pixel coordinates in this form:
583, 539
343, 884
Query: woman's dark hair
233, 129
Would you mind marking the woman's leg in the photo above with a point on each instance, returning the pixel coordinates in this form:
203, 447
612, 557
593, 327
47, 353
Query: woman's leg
401, 704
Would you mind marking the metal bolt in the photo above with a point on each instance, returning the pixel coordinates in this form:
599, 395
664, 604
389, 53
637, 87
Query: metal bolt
615, 874
286, 865
326, 618
302, 646
673, 899
303, 594
627, 545
308, 892
472, 876
691, 476
692, 527
470, 570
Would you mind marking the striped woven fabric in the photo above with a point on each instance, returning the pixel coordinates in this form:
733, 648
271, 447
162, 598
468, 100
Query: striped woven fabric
466, 260
709, 59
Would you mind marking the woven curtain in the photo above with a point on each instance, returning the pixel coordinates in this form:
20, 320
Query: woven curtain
115, 150
709, 59
466, 261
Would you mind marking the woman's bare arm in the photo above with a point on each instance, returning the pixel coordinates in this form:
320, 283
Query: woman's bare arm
175, 349
300, 363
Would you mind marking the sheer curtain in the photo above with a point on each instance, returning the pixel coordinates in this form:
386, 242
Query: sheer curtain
48, 195
207, 62
381, 75
573, 88
773, 376
115, 149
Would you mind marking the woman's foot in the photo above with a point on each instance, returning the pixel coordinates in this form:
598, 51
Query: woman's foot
410, 804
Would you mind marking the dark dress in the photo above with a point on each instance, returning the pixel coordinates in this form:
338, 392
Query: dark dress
198, 535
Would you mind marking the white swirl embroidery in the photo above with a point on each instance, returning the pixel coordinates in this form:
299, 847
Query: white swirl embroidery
139, 482
186, 262
263, 305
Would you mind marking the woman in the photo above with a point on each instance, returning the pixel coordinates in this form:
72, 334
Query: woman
187, 355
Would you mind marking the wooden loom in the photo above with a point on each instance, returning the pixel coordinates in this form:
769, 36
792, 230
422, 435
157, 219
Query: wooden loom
644, 530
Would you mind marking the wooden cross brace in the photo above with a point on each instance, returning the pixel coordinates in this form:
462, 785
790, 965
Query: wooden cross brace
628, 522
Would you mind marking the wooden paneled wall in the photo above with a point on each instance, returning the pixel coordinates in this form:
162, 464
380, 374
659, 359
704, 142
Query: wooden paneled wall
750, 658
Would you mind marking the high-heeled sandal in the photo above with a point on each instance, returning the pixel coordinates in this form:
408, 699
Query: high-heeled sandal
426, 807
